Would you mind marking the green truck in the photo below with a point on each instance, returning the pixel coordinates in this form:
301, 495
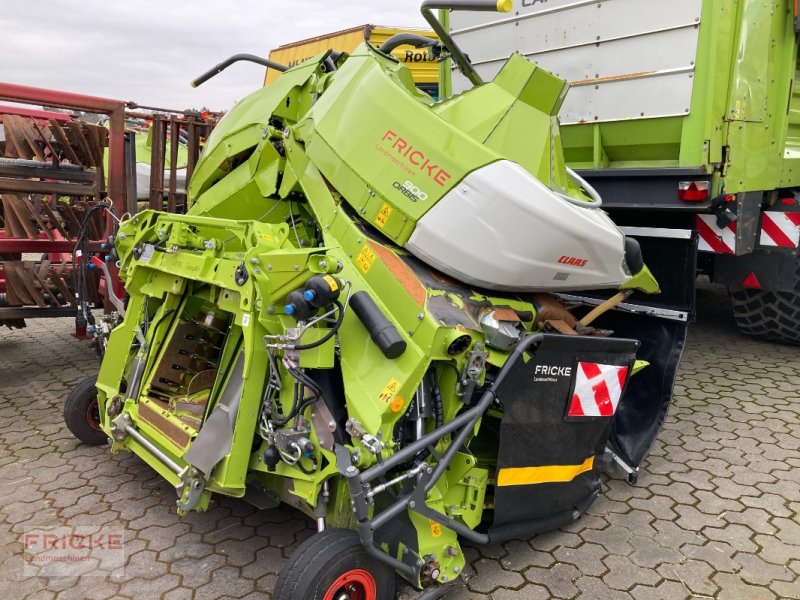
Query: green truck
685, 116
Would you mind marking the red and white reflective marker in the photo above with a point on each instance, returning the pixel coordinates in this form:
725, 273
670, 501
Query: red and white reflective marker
752, 282
720, 240
598, 389
780, 229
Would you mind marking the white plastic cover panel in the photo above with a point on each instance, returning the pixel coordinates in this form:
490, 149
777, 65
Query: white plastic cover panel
625, 59
503, 229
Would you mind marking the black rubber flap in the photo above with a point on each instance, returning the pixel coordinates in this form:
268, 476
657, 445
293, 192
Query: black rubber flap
644, 407
673, 263
548, 461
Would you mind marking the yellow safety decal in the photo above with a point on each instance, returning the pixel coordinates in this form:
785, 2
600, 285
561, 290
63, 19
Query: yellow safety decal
546, 474
365, 258
383, 215
331, 283
389, 390
436, 528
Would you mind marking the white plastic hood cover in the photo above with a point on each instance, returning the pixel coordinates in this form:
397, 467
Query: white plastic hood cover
502, 229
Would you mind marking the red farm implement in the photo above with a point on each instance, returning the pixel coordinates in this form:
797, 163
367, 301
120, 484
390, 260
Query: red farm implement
66, 171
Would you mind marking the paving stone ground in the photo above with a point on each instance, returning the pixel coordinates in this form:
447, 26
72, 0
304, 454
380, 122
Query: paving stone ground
715, 514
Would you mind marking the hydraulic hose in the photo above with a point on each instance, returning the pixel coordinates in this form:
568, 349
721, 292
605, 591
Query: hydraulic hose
298, 404
438, 407
437, 413
328, 335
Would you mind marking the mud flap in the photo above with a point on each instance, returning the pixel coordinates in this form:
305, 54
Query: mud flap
647, 398
558, 412
662, 333
660, 323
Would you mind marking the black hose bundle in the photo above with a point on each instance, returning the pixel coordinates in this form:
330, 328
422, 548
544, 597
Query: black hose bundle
437, 411
80, 260
299, 403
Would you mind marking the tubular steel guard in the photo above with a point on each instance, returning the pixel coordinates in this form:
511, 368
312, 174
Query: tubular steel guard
426, 478
457, 54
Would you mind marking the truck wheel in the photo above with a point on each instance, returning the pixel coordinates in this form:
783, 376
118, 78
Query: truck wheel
333, 565
82, 413
773, 316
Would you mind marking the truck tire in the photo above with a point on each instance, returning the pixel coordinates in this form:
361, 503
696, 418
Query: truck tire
772, 316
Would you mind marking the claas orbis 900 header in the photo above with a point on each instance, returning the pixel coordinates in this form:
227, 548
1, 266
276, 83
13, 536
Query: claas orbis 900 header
360, 317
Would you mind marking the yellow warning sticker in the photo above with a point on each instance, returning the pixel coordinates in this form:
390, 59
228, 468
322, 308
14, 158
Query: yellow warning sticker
738, 112
365, 258
383, 215
389, 390
331, 283
436, 528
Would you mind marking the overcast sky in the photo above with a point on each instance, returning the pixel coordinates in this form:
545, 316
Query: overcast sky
148, 51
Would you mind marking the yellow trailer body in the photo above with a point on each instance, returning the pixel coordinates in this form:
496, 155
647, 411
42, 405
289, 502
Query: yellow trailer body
424, 70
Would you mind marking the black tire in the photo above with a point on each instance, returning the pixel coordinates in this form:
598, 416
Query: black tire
81, 413
772, 316
327, 557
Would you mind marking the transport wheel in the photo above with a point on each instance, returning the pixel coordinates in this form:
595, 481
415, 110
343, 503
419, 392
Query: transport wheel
333, 565
772, 316
82, 413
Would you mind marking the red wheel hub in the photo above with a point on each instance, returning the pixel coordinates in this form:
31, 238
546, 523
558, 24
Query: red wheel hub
355, 584
93, 415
